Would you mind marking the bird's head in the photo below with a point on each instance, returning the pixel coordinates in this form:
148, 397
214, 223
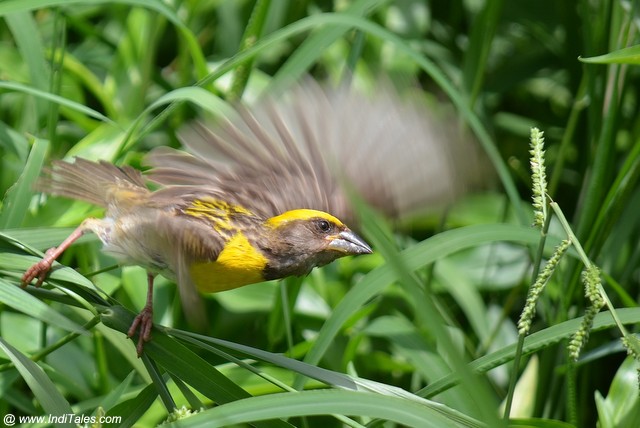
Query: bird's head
302, 239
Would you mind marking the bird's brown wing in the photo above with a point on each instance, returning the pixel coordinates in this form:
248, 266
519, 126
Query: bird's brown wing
299, 150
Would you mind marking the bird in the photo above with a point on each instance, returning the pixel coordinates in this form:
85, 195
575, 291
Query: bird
263, 193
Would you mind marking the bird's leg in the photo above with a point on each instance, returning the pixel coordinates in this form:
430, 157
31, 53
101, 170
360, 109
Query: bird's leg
41, 269
144, 321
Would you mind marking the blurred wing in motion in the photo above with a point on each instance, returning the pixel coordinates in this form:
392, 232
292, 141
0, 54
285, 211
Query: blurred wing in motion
298, 150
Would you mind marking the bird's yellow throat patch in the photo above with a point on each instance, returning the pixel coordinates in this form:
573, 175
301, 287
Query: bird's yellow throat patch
238, 264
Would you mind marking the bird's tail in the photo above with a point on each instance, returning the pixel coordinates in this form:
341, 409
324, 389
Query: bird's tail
99, 183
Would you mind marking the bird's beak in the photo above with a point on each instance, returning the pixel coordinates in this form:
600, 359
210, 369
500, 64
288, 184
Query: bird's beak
348, 243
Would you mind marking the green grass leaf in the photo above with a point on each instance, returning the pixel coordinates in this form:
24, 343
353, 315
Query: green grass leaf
64, 102
19, 197
630, 55
24, 302
308, 403
532, 343
43, 388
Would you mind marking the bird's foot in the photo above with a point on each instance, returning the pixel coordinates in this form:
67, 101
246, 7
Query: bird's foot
142, 324
39, 270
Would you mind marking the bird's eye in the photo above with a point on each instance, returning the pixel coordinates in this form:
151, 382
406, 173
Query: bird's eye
323, 225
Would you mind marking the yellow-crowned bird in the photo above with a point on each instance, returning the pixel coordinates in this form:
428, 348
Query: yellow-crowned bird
261, 195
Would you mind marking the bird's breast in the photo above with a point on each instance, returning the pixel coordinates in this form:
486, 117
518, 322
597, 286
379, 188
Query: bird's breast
239, 263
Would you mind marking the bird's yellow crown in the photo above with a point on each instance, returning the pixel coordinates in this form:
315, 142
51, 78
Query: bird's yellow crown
301, 214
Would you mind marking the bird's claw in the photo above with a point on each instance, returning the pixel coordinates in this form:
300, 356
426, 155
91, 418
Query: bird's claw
142, 324
38, 270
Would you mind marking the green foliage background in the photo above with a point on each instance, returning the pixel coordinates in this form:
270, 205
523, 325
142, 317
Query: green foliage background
430, 318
